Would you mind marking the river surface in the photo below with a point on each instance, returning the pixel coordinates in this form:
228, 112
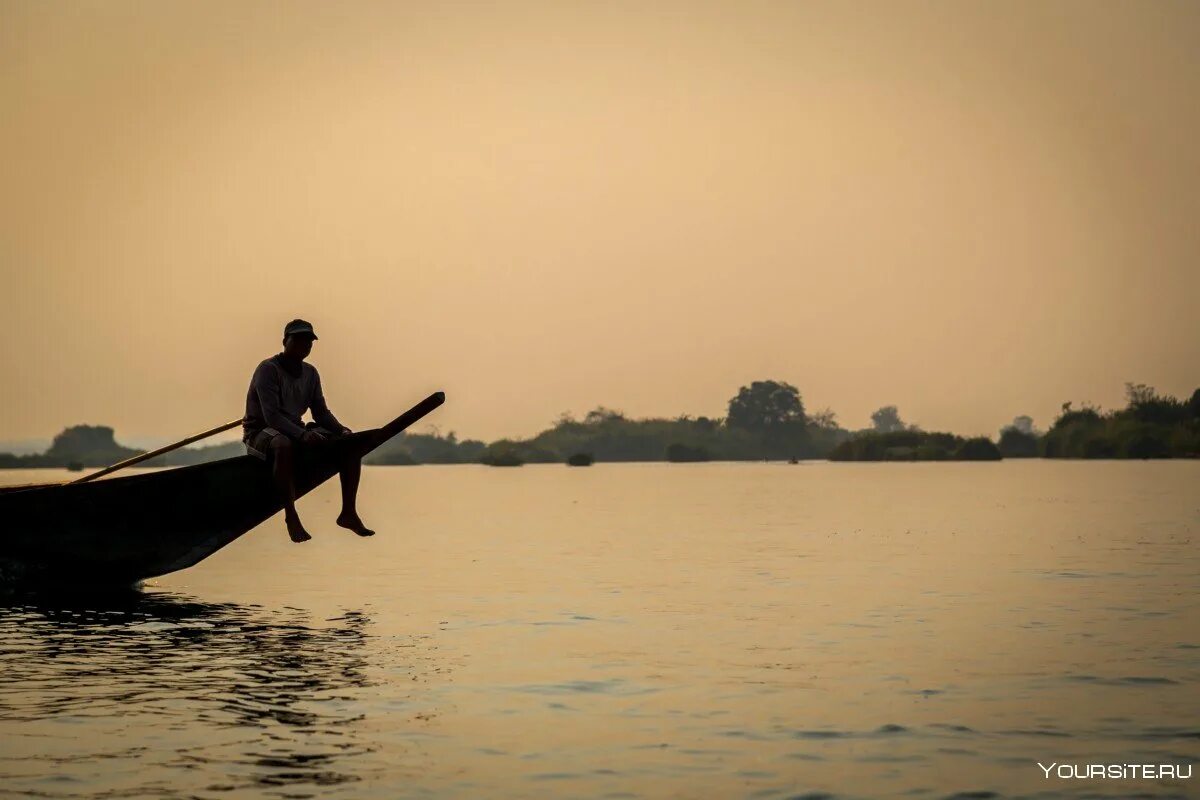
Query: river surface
641, 630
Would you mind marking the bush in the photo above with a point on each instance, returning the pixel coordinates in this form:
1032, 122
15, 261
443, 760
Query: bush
1071, 433
979, 448
1150, 426
932, 452
681, 453
1145, 444
396, 457
508, 453
1185, 440
1018, 444
427, 448
1099, 446
508, 459
906, 445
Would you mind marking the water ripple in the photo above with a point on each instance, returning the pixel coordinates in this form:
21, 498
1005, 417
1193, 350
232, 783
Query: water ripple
234, 697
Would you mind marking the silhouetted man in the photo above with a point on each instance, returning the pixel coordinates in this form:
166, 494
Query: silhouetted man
282, 389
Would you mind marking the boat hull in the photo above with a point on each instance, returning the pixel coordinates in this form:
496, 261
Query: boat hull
122, 530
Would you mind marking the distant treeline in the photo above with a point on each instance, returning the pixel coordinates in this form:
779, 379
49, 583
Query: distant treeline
765, 420
1150, 426
94, 446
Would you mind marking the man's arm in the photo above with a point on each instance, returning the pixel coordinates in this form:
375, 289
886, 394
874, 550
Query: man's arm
320, 410
266, 386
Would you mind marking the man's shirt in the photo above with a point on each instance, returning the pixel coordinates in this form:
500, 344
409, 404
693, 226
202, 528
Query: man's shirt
278, 399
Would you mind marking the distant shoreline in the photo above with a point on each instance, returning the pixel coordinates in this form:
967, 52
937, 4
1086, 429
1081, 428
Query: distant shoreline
776, 462
766, 421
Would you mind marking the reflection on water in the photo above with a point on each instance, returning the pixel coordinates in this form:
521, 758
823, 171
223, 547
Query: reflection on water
191, 696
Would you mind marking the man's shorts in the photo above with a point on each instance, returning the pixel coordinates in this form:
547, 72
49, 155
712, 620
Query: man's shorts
259, 445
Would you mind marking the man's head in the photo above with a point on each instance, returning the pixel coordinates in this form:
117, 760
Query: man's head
298, 337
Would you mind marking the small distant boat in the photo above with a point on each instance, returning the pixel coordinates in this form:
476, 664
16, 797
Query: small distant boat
75, 466
580, 460
122, 530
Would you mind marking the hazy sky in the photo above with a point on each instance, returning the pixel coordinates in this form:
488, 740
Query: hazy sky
969, 210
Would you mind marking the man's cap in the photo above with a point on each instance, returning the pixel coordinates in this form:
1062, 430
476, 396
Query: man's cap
298, 326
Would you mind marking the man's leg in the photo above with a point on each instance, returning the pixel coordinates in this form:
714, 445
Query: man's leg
283, 469
350, 474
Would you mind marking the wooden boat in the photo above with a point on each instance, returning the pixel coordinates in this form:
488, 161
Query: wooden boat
122, 530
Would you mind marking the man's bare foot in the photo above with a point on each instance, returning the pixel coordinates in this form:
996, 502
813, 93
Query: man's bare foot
296, 531
352, 522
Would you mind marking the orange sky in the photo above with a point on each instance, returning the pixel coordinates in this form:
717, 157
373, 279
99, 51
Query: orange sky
969, 210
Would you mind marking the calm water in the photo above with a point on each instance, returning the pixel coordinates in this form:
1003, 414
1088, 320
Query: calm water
642, 630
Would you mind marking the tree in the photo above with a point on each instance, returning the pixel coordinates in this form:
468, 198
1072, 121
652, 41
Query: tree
1087, 414
1020, 439
825, 419
774, 412
979, 448
887, 420
1015, 443
1147, 405
766, 407
1137, 394
1023, 424
679, 453
600, 414
90, 445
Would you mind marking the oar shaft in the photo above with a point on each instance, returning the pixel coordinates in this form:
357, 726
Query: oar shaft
129, 462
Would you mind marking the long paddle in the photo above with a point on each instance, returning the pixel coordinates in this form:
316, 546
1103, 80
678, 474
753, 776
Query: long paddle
168, 448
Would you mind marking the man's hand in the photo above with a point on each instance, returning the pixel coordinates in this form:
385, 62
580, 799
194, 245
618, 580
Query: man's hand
312, 437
